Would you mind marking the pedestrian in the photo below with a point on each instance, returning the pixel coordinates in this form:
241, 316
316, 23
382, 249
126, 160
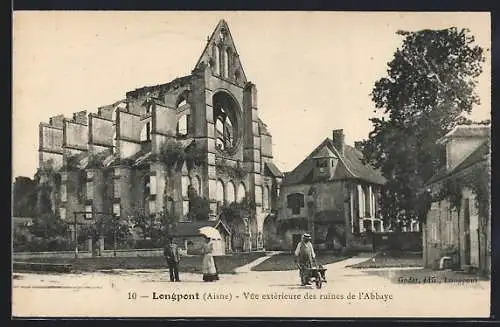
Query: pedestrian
208, 264
305, 257
173, 257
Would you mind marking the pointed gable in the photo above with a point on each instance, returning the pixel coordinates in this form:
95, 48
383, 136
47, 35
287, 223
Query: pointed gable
220, 47
349, 166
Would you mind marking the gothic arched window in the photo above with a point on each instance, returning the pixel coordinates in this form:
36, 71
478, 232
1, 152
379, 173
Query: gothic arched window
146, 132
226, 121
230, 193
241, 192
220, 192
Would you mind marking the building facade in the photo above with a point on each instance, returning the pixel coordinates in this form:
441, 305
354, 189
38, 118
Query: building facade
330, 194
116, 161
457, 229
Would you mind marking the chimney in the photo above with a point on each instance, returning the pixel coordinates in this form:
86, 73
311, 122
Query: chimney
338, 140
358, 145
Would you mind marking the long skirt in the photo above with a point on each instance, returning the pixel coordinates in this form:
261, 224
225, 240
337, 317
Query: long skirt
208, 268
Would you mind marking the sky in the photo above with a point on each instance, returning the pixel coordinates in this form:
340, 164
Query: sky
314, 71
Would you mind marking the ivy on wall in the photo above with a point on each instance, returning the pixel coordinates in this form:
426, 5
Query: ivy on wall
224, 168
173, 154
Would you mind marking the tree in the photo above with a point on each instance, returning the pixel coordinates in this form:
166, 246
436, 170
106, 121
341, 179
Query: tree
430, 85
199, 207
234, 211
24, 197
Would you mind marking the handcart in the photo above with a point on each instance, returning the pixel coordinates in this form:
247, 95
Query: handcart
315, 274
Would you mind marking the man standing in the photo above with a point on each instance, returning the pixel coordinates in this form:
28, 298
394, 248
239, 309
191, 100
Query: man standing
173, 257
305, 256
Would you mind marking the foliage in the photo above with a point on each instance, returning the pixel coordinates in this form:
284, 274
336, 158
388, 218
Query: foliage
234, 172
72, 163
144, 222
430, 85
109, 227
48, 225
96, 160
173, 154
24, 197
244, 208
199, 207
478, 180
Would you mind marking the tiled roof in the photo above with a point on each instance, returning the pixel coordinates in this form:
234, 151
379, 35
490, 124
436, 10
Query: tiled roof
273, 169
467, 131
478, 155
349, 166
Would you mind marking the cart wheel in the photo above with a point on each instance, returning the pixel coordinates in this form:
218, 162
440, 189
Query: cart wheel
318, 283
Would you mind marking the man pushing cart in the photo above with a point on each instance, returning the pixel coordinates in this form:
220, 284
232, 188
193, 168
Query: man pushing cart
306, 260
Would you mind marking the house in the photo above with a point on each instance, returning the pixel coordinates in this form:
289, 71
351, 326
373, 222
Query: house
119, 160
188, 237
458, 224
331, 194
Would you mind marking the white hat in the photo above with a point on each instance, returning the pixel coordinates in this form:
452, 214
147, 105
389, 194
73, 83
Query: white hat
306, 235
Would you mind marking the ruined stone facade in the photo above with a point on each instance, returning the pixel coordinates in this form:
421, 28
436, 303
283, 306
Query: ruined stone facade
116, 151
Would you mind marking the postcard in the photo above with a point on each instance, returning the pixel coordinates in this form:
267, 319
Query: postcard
251, 164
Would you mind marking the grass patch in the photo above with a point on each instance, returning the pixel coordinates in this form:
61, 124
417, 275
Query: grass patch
392, 260
285, 261
192, 264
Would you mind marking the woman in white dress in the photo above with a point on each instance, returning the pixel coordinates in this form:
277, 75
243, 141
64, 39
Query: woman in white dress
208, 265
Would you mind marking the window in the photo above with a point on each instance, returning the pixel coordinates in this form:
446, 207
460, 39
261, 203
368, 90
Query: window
295, 202
219, 196
265, 198
361, 201
152, 206
115, 145
368, 200
185, 181
90, 190
146, 132
241, 192
152, 185
225, 119
116, 172
377, 225
64, 194
185, 207
216, 60
88, 212
231, 194
225, 58
116, 209
117, 189
182, 126
62, 213
367, 225
322, 163
196, 183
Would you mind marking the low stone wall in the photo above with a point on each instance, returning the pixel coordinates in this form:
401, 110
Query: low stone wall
106, 253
